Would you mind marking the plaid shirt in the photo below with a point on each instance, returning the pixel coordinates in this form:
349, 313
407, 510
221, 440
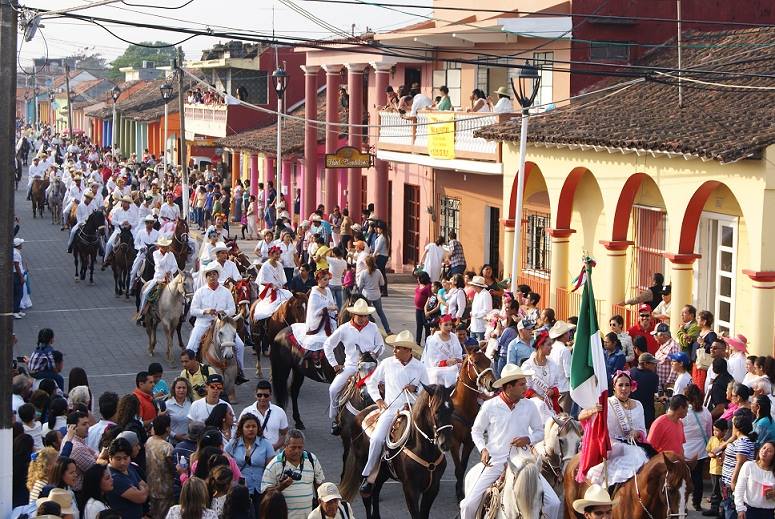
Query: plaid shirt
42, 359
456, 256
664, 369
84, 457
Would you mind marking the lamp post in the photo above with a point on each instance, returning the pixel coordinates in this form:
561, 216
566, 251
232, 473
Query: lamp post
35, 101
528, 80
27, 107
166, 94
280, 78
114, 93
51, 105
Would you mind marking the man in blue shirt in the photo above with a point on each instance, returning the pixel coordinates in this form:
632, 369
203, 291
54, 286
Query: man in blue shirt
521, 348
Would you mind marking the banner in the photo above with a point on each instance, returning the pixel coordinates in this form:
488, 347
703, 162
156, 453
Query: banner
441, 135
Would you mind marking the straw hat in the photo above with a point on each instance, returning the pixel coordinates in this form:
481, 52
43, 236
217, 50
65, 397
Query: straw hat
478, 281
510, 373
61, 497
560, 328
163, 241
594, 496
403, 339
88, 194
328, 491
503, 91
220, 247
361, 308
127, 198
150, 218
212, 266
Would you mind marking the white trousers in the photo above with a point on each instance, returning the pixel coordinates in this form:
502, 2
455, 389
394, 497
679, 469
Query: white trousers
74, 230
336, 386
113, 237
377, 440
199, 331
469, 505
136, 265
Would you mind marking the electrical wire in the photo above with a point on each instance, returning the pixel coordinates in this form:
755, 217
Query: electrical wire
721, 85
158, 6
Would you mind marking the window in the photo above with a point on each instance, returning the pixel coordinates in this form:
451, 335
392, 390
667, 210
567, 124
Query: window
450, 216
650, 224
451, 78
483, 78
536, 244
544, 61
609, 51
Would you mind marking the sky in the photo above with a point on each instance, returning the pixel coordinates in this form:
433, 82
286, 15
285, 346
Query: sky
65, 37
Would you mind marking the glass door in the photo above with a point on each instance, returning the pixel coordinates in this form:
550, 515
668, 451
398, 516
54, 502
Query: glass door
726, 266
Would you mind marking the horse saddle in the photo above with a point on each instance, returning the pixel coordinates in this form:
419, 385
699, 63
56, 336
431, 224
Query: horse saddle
153, 296
491, 501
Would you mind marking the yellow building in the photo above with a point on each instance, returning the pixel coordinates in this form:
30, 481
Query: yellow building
644, 185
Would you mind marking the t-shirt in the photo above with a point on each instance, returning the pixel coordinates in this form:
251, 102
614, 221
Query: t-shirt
667, 435
743, 446
718, 391
336, 266
421, 294
715, 463
121, 483
200, 409
683, 380
648, 383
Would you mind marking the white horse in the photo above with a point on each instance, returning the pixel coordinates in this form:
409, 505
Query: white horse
522, 494
169, 311
562, 438
218, 351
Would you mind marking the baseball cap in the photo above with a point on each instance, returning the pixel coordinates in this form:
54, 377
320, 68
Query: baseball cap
526, 324
679, 356
214, 378
647, 358
328, 491
661, 328
644, 309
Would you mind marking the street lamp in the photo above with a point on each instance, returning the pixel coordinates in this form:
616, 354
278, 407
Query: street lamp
37, 92
114, 93
528, 80
280, 78
166, 94
51, 105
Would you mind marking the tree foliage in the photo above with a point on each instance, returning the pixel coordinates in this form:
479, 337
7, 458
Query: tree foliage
134, 55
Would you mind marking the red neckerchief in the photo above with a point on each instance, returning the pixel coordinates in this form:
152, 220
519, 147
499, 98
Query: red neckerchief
357, 327
507, 401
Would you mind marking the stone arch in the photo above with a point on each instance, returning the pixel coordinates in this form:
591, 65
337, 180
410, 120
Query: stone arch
692, 215
626, 200
533, 177
567, 194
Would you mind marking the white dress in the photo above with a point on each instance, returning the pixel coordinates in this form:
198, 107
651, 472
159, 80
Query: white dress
625, 459
434, 255
543, 380
317, 305
437, 350
271, 292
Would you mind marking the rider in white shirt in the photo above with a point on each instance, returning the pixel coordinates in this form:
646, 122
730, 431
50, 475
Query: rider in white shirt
85, 208
443, 354
165, 266
229, 269
123, 215
271, 279
145, 237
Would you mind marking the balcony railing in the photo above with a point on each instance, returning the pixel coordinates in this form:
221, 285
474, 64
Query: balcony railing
411, 134
206, 119
569, 303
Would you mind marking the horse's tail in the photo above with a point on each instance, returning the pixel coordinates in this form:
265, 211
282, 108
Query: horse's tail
528, 491
351, 477
280, 370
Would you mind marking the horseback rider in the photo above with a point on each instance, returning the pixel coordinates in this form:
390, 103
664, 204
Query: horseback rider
85, 209
210, 300
94, 189
401, 375
358, 336
542, 386
74, 193
271, 278
509, 422
229, 270
443, 354
169, 213
165, 266
321, 315
34, 172
144, 239
596, 504
121, 216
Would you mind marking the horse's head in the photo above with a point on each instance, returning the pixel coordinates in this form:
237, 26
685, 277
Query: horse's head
241, 292
125, 236
675, 485
562, 435
181, 228
96, 220
366, 364
225, 336
438, 416
476, 372
524, 495
296, 308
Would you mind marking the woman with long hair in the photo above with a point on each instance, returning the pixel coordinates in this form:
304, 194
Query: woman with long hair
763, 424
238, 504
740, 447
703, 342
97, 482
252, 452
369, 282
698, 427
273, 505
222, 418
218, 483
62, 476
755, 486
178, 406
739, 396
493, 285
57, 416
126, 418
193, 502
39, 470
210, 438
456, 298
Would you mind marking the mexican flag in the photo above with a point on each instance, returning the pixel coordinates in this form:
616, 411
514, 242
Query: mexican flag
589, 381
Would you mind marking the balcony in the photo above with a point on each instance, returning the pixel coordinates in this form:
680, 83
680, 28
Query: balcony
407, 139
208, 120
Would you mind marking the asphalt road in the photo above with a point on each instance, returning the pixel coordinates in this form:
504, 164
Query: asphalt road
95, 330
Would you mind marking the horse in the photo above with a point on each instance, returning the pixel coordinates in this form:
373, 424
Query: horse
416, 459
86, 245
169, 310
660, 489
238, 257
522, 492
473, 383
123, 256
70, 219
562, 437
180, 246
56, 195
264, 331
353, 399
218, 351
38, 197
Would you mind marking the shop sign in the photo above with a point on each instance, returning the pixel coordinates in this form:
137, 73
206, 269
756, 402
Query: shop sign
348, 157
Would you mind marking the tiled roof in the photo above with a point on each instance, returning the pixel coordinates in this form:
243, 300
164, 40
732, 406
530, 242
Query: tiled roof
264, 139
145, 103
716, 122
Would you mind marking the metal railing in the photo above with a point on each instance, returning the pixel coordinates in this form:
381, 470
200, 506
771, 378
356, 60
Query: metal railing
569, 303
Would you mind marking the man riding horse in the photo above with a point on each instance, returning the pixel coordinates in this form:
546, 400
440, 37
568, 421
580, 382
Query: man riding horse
125, 214
85, 208
165, 266
144, 239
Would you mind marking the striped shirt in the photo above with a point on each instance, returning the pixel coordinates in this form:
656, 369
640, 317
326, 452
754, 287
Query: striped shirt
299, 495
742, 446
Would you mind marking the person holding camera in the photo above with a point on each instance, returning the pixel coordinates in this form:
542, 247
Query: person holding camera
297, 474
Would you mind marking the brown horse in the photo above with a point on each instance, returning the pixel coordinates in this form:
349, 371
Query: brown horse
238, 257
418, 463
123, 256
660, 489
38, 197
294, 310
180, 247
473, 383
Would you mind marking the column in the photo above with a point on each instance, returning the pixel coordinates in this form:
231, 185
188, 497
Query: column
332, 134
355, 89
234, 168
381, 73
616, 273
681, 274
508, 247
254, 175
760, 336
559, 277
286, 184
310, 141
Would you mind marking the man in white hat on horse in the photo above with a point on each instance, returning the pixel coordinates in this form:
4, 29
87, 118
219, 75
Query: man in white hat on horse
596, 504
509, 422
145, 238
74, 192
210, 300
402, 376
358, 336
165, 266
229, 269
82, 213
121, 216
271, 279
169, 213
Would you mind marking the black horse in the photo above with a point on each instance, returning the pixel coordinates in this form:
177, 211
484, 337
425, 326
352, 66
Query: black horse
123, 257
86, 245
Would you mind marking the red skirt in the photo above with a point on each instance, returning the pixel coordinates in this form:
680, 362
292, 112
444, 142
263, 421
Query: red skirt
699, 376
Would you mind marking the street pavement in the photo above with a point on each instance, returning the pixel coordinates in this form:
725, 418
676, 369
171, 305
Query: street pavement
96, 331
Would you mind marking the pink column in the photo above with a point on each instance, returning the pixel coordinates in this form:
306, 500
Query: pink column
380, 190
269, 174
332, 133
254, 175
310, 140
286, 180
355, 89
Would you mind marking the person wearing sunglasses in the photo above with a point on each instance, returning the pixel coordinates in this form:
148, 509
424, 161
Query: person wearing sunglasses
273, 422
644, 327
201, 409
252, 452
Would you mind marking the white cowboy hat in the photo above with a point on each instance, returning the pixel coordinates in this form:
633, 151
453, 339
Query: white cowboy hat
403, 339
150, 218
88, 194
17, 242
594, 496
478, 281
511, 372
560, 328
315, 218
503, 91
212, 266
220, 246
328, 491
361, 308
163, 241
127, 198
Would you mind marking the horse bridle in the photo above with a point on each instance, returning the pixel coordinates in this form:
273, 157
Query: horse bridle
557, 470
469, 364
666, 491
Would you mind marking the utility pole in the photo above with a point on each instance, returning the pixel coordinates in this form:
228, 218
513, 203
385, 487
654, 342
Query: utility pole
69, 105
182, 152
35, 93
8, 28
680, 86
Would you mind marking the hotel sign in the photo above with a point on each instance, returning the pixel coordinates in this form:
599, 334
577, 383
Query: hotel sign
348, 157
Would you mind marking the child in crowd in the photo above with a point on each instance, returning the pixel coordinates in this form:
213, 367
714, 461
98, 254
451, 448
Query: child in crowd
161, 391
716, 452
26, 413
